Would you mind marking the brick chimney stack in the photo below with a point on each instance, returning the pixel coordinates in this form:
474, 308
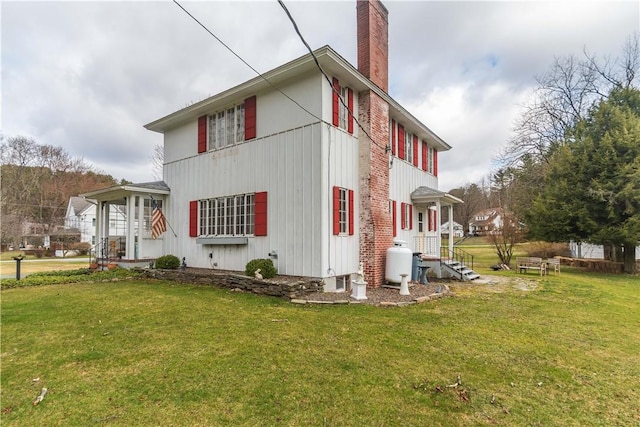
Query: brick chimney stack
376, 226
373, 42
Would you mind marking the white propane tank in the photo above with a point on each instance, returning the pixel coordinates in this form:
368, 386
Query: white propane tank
399, 260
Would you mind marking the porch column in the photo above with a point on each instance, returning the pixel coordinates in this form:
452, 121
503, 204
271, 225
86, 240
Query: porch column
101, 228
130, 251
438, 221
450, 228
140, 220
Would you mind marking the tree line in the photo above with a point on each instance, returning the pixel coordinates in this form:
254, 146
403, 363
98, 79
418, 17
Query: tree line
571, 171
36, 183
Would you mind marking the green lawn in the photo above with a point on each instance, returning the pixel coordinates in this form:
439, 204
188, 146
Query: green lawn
565, 352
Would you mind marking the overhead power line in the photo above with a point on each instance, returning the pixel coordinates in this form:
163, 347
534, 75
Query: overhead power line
295, 27
246, 63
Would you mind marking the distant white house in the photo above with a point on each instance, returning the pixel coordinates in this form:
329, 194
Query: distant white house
486, 221
458, 230
588, 250
81, 214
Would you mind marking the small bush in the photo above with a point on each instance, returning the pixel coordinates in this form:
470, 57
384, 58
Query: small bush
548, 249
82, 247
265, 265
168, 262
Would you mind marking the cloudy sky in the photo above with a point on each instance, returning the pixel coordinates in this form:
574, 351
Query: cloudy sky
88, 75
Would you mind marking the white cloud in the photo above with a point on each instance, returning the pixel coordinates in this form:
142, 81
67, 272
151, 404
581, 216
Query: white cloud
88, 75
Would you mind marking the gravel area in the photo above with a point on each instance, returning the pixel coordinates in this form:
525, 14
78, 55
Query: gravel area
386, 296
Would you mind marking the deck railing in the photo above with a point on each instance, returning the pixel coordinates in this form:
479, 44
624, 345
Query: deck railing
426, 245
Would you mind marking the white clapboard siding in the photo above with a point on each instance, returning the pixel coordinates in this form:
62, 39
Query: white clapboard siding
293, 168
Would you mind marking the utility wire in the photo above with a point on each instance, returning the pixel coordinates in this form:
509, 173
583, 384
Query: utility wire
245, 62
295, 27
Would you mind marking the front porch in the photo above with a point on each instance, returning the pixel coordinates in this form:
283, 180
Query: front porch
444, 261
135, 247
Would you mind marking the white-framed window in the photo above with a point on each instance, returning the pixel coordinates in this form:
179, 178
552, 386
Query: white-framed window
227, 216
420, 222
408, 146
343, 111
344, 211
431, 156
226, 127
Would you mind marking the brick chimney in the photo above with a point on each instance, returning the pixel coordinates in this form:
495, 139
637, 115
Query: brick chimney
373, 42
376, 226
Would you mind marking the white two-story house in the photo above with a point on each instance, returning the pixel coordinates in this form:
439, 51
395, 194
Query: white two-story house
317, 171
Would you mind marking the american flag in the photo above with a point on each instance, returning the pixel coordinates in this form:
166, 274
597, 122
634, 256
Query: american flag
158, 221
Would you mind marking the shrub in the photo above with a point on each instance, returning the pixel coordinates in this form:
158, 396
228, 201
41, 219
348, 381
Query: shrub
169, 262
548, 249
81, 247
265, 265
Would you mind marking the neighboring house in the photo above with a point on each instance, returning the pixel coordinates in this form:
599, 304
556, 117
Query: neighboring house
458, 230
249, 174
589, 250
81, 214
486, 222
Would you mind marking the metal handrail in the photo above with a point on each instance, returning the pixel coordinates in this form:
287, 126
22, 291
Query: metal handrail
457, 254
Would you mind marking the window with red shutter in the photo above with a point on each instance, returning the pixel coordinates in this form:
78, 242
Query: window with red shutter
193, 218
435, 163
202, 134
250, 117
424, 156
336, 102
351, 213
350, 113
403, 216
415, 151
261, 214
401, 146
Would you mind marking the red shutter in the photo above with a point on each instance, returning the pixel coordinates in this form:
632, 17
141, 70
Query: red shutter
351, 213
415, 151
261, 214
393, 217
425, 149
410, 216
435, 163
435, 220
336, 102
401, 142
193, 218
250, 118
429, 225
393, 137
350, 105
202, 134
336, 210
403, 223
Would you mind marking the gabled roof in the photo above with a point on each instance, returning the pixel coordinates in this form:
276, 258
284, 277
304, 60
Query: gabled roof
121, 191
78, 205
330, 61
427, 194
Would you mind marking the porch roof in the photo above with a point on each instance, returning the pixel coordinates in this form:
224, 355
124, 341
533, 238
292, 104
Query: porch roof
120, 191
428, 195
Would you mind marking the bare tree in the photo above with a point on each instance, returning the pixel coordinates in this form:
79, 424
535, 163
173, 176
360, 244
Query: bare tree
564, 96
157, 161
505, 237
36, 183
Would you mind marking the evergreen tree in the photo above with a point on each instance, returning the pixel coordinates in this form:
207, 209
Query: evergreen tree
592, 187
